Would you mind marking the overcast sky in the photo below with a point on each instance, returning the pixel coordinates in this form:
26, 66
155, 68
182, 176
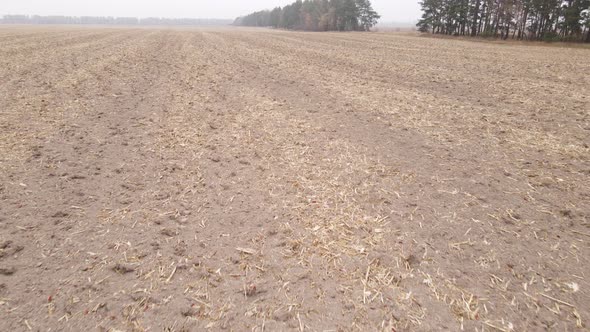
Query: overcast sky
390, 10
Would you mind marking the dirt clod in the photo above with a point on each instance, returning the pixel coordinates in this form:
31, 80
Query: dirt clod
123, 268
7, 271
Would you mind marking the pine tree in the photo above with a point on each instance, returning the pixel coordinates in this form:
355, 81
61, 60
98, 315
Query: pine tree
367, 16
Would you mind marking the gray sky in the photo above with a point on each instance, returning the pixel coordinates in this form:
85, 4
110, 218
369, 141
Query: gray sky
390, 10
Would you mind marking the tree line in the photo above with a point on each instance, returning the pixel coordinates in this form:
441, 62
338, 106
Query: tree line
547, 20
316, 15
36, 19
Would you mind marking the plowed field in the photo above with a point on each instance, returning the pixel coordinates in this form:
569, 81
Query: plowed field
260, 180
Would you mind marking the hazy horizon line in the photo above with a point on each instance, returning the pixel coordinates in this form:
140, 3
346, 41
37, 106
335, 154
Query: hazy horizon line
115, 16
381, 21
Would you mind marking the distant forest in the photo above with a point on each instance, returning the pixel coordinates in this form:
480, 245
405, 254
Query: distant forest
316, 15
546, 20
35, 19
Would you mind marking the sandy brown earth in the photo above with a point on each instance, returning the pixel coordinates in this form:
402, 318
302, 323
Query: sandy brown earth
257, 180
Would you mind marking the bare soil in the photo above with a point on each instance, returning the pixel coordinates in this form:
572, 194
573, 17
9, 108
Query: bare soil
258, 180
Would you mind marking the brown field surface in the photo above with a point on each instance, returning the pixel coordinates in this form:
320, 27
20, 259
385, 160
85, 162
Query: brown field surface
259, 180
